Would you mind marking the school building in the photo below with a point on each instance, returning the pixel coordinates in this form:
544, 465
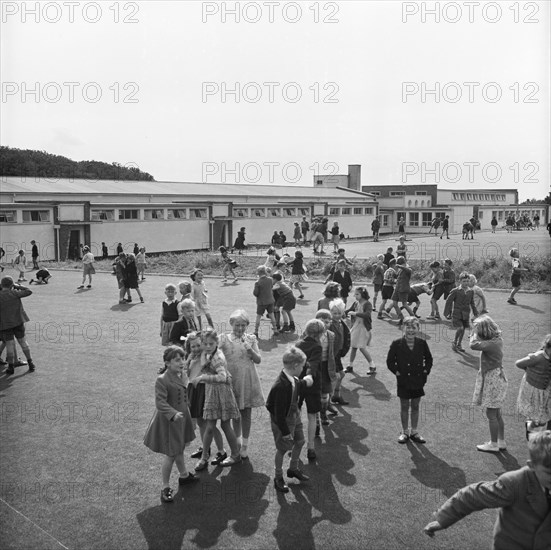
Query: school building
61, 214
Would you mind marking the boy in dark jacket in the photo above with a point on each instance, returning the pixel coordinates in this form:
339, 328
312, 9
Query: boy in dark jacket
264, 298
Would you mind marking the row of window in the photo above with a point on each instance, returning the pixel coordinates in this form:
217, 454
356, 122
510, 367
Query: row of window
270, 212
347, 211
477, 197
10, 216
415, 221
150, 214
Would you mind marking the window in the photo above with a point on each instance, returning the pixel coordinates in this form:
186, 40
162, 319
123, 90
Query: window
319, 182
36, 216
397, 193
346, 211
176, 214
304, 211
416, 203
455, 196
129, 215
258, 212
358, 211
108, 215
290, 212
8, 216
422, 203
274, 212
197, 213
385, 220
420, 192
428, 202
334, 211
493, 197
376, 193
469, 196
240, 212
426, 219
486, 197
462, 196
154, 214
414, 219
368, 211
500, 215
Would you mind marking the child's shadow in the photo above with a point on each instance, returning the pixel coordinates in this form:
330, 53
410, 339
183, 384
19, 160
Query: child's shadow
530, 308
123, 307
509, 461
372, 386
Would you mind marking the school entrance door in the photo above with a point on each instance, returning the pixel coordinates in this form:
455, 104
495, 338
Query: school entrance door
221, 232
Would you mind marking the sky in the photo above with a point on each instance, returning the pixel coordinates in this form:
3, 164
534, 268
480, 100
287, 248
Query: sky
186, 92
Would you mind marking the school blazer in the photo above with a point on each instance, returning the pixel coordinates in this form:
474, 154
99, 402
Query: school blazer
170, 394
344, 280
181, 328
524, 520
12, 313
413, 365
279, 399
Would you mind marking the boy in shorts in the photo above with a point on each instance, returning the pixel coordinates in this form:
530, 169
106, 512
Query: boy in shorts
401, 291
516, 272
389, 278
378, 275
264, 298
458, 306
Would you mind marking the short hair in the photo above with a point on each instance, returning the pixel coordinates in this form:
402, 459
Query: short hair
271, 250
314, 327
402, 238
293, 357
171, 352
435, 264
277, 276
364, 293
513, 252
472, 279
239, 315
261, 270
130, 256
400, 260
486, 328
185, 284
463, 275
341, 250
539, 448
380, 256
299, 254
194, 273
392, 262
332, 290
447, 261
409, 320
170, 286
209, 334
188, 302
323, 314
337, 304
21, 252
6, 282
222, 249
389, 249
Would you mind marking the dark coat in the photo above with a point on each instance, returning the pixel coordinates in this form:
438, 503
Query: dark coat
312, 349
181, 328
344, 280
413, 366
12, 313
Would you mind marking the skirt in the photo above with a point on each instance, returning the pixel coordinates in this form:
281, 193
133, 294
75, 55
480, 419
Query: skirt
490, 389
196, 398
166, 327
359, 335
298, 278
88, 269
166, 437
220, 403
533, 403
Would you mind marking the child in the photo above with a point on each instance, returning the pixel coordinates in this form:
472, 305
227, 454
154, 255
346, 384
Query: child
516, 272
229, 265
120, 271
534, 396
272, 258
220, 401
437, 287
389, 279
298, 271
445, 227
275, 240
171, 428
131, 277
88, 267
42, 277
140, 263
388, 256
184, 287
402, 228
311, 347
282, 403
200, 297
328, 365
340, 256
239, 243
360, 332
196, 396
522, 496
284, 299
343, 278
457, 307
169, 313
414, 292
448, 277
297, 235
242, 355
185, 324
264, 299
491, 385
282, 239
20, 264
479, 297
335, 238
104, 251
378, 276
34, 254
332, 290
401, 249
410, 359
341, 346
401, 291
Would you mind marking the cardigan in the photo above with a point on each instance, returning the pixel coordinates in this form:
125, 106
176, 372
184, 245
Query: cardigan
538, 369
342, 338
492, 352
263, 291
12, 313
364, 313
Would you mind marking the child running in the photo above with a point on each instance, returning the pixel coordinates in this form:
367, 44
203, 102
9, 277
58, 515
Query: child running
229, 265
171, 429
285, 301
298, 271
389, 279
401, 291
199, 295
460, 300
360, 332
516, 273
264, 299
378, 277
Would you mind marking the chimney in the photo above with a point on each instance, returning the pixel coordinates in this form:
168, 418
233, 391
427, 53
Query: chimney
355, 176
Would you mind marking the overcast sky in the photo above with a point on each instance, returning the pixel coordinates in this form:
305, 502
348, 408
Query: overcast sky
361, 68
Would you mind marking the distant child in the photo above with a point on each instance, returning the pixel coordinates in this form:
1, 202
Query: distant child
284, 300
20, 264
169, 313
184, 287
282, 403
534, 396
402, 249
328, 365
448, 277
341, 255
341, 347
42, 277
479, 297
229, 265
445, 227
331, 291
388, 256
104, 251
414, 292
516, 272
298, 272
401, 290
335, 238
34, 254
185, 324
491, 384
378, 276
275, 240
220, 403
297, 235
437, 286
458, 304
343, 278
199, 295
141, 263
360, 332
282, 239
171, 428
272, 258
264, 299
131, 277
389, 279
522, 496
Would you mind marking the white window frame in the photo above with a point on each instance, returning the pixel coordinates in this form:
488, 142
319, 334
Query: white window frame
198, 213
103, 214
346, 211
358, 211
289, 212
171, 214
258, 212
412, 222
368, 211
274, 212
123, 218
10, 216
334, 211
240, 212
154, 214
42, 215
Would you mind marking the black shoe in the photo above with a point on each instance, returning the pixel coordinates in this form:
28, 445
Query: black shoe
167, 495
198, 453
32, 366
218, 458
280, 485
339, 400
317, 434
298, 474
331, 409
310, 455
324, 419
10, 370
187, 480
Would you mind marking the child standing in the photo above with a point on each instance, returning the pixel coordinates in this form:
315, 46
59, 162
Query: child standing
184, 287
229, 265
297, 272
284, 299
20, 264
264, 299
330, 293
335, 239
378, 276
185, 324
171, 428
343, 278
516, 272
437, 289
534, 396
402, 249
448, 277
460, 300
282, 403
360, 332
388, 255
297, 235
140, 263
479, 297
341, 255
242, 355
169, 313
445, 227
200, 297
410, 359
389, 278
328, 366
341, 346
131, 277
491, 385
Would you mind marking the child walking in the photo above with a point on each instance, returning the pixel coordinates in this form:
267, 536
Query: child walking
378, 277
328, 366
491, 385
20, 264
401, 291
297, 272
171, 429
389, 279
410, 359
229, 265
242, 355
131, 277
360, 332
341, 346
169, 313
516, 273
282, 404
141, 263
264, 299
284, 300
460, 300
200, 297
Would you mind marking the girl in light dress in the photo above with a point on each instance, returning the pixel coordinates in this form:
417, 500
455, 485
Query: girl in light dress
200, 297
242, 356
360, 332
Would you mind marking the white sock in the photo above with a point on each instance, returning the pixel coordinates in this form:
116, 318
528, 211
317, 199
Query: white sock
245, 443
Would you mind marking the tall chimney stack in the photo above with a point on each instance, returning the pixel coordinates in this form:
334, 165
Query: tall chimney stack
355, 176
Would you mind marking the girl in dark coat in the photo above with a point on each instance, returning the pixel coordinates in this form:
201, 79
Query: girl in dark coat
410, 359
239, 244
131, 277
